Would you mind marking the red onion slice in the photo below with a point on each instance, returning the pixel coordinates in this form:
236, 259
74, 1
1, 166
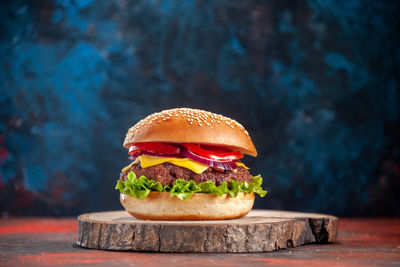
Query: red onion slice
163, 155
224, 165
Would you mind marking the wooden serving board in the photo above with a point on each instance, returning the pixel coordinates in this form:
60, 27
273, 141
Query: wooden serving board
260, 230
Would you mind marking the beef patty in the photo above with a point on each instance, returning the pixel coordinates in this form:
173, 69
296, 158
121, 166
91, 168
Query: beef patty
167, 173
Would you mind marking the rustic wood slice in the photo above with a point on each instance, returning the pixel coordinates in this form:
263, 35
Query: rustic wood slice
260, 230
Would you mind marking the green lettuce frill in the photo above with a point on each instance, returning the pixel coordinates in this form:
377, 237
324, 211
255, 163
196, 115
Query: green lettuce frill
141, 187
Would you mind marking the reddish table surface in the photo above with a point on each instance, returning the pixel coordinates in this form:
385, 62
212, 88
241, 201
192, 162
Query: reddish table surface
51, 241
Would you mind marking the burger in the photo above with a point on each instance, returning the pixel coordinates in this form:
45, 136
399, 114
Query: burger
186, 166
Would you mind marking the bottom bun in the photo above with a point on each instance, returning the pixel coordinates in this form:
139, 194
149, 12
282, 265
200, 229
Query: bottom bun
161, 206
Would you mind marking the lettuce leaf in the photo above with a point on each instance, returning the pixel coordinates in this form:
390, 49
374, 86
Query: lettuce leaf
141, 187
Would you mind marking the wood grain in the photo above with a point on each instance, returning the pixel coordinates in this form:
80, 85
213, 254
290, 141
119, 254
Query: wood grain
259, 231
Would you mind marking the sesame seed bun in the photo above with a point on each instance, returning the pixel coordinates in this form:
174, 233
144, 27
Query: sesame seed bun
161, 206
185, 125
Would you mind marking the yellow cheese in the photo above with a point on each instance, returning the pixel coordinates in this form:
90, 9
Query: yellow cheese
148, 161
241, 164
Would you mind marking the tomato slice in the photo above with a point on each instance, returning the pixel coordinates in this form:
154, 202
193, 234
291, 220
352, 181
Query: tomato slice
153, 147
214, 153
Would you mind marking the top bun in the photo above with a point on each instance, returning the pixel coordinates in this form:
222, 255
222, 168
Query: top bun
185, 125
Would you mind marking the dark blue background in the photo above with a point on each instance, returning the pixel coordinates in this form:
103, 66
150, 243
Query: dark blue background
316, 84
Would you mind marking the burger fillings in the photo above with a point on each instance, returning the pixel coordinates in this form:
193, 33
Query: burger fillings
186, 165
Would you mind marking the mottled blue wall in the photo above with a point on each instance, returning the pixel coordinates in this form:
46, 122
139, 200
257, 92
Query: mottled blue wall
316, 83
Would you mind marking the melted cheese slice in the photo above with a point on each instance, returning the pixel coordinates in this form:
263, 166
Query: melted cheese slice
194, 166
